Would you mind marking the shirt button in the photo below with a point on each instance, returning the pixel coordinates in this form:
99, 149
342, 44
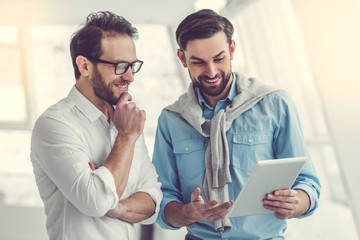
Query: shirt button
250, 140
186, 149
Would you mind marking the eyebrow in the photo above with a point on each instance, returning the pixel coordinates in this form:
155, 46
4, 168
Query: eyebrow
199, 59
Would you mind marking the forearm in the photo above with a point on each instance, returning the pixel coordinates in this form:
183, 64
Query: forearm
177, 215
119, 162
134, 209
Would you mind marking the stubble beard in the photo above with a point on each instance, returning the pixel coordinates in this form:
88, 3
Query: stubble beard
103, 90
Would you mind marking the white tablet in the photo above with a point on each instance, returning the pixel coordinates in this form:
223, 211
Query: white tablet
266, 177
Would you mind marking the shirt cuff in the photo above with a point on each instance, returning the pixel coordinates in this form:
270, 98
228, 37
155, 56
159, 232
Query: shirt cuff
156, 195
104, 174
312, 198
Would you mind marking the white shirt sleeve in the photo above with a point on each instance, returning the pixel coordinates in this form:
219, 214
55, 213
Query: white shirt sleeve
58, 149
148, 181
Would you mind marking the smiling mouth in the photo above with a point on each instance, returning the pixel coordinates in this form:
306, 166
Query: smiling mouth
212, 81
122, 87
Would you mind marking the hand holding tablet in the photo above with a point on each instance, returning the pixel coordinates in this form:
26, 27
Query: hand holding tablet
266, 177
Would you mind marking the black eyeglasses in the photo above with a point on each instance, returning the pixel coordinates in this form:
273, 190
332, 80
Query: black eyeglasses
121, 67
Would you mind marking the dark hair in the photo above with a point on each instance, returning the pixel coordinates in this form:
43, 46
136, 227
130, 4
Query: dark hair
202, 24
87, 40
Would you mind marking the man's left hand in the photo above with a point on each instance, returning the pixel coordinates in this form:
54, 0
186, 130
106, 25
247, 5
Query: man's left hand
287, 203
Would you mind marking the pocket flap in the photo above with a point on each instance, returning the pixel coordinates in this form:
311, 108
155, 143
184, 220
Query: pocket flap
188, 146
250, 138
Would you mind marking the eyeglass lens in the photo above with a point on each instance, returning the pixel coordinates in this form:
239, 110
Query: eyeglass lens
123, 67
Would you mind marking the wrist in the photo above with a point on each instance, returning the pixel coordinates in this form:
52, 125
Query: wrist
187, 213
304, 204
126, 139
178, 214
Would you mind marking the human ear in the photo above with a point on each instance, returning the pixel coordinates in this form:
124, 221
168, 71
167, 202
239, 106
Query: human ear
181, 56
232, 49
83, 65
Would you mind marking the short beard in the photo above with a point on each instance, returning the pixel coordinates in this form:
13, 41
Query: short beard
101, 89
214, 90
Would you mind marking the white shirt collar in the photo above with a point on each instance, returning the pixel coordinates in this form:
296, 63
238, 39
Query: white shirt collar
90, 111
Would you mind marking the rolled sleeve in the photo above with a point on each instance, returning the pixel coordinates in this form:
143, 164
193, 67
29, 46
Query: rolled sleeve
157, 197
108, 181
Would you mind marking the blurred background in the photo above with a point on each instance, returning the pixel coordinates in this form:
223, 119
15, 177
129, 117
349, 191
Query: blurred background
309, 48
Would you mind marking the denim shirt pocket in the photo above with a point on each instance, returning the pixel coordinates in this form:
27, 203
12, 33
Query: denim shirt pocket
190, 157
250, 147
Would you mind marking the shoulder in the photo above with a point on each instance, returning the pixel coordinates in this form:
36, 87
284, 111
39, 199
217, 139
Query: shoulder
59, 109
175, 127
277, 98
55, 116
167, 115
280, 95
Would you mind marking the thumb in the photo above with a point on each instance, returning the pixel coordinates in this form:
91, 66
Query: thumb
195, 196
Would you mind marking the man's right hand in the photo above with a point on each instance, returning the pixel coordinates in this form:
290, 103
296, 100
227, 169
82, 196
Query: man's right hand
128, 119
179, 215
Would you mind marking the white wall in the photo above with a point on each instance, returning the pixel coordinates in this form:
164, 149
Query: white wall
331, 31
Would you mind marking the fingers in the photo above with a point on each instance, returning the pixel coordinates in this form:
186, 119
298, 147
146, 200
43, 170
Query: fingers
285, 196
92, 166
219, 212
282, 199
285, 192
128, 119
284, 211
210, 211
275, 205
283, 202
210, 205
124, 99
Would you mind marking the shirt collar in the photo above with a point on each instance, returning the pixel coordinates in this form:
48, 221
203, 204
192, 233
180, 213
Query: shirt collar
86, 107
230, 97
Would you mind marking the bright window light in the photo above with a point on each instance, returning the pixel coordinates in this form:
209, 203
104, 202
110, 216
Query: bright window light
215, 5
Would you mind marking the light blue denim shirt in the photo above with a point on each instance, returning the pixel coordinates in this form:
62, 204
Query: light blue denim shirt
270, 129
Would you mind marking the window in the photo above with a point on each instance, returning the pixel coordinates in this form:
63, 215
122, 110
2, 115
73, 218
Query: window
271, 50
12, 87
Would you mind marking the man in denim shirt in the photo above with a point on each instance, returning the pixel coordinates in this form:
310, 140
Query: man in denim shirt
209, 140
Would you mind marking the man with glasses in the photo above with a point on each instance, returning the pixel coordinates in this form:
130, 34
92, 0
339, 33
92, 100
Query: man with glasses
89, 158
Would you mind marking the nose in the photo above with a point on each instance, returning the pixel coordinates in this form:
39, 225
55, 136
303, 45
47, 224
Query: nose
128, 75
211, 70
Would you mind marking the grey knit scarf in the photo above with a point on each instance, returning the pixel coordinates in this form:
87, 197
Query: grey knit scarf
217, 172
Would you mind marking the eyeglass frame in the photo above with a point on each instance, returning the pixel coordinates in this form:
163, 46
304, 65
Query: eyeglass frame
129, 64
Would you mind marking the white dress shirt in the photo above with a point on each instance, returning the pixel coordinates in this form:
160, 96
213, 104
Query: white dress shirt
65, 138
